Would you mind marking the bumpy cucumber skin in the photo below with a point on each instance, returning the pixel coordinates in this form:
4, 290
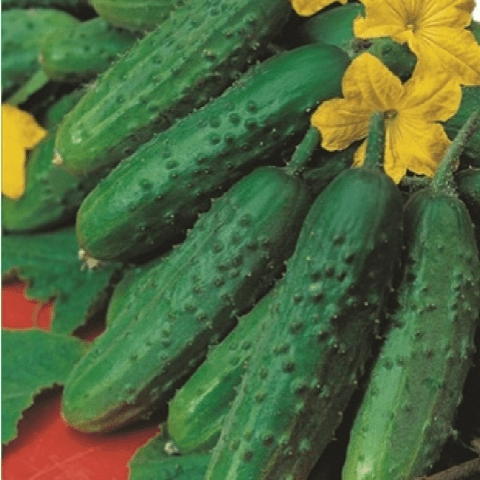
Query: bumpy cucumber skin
155, 194
136, 15
417, 381
228, 260
468, 186
52, 196
305, 368
196, 412
171, 71
22, 34
88, 50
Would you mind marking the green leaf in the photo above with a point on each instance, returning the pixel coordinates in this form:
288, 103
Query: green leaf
49, 263
31, 361
153, 461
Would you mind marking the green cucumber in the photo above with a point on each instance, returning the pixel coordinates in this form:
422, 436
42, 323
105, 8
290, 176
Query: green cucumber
190, 58
137, 15
23, 31
229, 259
468, 186
153, 196
196, 412
306, 365
52, 196
333, 26
88, 50
417, 380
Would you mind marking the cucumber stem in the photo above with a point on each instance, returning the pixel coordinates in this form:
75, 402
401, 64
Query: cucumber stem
303, 152
443, 177
375, 142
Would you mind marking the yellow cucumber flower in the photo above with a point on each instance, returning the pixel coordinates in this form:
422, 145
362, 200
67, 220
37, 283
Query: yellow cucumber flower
306, 8
20, 132
434, 31
415, 141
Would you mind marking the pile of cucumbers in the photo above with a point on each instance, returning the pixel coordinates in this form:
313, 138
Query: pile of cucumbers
267, 282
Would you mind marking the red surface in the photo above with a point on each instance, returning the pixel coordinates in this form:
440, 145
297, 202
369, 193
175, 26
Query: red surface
46, 448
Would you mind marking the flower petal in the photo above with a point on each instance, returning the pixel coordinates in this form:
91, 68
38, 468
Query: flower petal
367, 86
414, 145
383, 18
13, 173
367, 78
20, 132
340, 123
447, 13
306, 8
410, 145
435, 98
450, 50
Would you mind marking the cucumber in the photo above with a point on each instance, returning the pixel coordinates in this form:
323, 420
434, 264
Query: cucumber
333, 26
52, 196
229, 259
416, 383
22, 34
88, 50
153, 196
196, 412
306, 365
190, 58
136, 15
468, 186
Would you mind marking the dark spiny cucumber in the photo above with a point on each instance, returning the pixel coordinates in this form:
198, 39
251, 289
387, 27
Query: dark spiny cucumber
333, 26
88, 50
52, 196
137, 15
22, 34
306, 365
229, 259
416, 383
190, 58
196, 412
468, 186
155, 194
155, 461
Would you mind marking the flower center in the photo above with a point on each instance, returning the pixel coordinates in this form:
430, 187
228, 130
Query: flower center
390, 114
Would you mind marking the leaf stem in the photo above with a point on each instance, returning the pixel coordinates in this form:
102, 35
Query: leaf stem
375, 142
443, 178
303, 152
